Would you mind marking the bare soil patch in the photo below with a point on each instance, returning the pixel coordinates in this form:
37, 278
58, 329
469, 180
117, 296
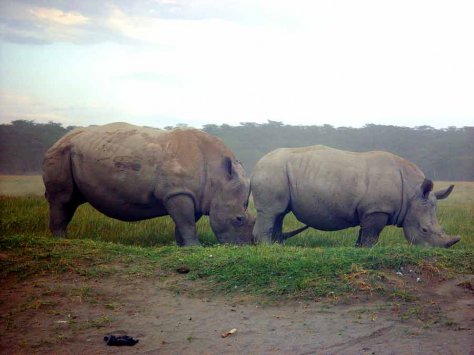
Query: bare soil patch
68, 313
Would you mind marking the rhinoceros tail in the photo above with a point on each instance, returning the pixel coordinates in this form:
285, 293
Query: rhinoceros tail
288, 235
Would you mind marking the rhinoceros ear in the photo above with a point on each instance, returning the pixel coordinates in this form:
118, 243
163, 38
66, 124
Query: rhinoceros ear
426, 188
227, 163
440, 195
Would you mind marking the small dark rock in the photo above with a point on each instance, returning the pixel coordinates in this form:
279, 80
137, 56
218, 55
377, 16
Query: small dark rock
183, 270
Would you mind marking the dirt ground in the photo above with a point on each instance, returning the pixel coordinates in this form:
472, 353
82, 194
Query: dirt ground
72, 314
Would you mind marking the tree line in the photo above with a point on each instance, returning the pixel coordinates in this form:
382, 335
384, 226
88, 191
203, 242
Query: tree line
442, 154
24, 143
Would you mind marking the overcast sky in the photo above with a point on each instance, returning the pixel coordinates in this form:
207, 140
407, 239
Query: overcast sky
163, 62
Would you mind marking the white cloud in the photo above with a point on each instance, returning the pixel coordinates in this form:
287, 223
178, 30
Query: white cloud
21, 107
56, 16
170, 32
39, 25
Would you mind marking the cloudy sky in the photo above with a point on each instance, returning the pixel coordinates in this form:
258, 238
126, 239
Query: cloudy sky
163, 62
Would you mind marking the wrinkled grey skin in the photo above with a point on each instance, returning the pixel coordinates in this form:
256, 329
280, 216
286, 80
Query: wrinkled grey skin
133, 173
330, 189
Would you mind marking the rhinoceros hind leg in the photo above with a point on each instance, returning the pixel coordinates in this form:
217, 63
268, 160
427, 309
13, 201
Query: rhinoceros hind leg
60, 214
181, 210
370, 228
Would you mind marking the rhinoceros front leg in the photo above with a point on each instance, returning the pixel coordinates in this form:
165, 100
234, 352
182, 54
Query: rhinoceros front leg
370, 228
179, 239
268, 227
181, 210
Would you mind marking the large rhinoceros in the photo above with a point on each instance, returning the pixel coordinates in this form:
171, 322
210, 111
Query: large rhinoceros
133, 173
331, 189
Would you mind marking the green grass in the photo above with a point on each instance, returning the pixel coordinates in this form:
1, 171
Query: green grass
273, 271
313, 264
20, 185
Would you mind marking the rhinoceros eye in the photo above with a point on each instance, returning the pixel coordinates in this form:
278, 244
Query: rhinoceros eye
239, 220
424, 230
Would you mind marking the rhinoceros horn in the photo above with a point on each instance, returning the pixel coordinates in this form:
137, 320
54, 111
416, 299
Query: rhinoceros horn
441, 195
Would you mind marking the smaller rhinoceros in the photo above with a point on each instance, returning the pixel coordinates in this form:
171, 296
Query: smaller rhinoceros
133, 173
331, 189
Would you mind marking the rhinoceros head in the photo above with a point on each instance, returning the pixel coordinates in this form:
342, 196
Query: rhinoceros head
421, 226
228, 215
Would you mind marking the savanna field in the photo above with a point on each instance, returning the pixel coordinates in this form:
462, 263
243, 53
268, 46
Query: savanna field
311, 265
